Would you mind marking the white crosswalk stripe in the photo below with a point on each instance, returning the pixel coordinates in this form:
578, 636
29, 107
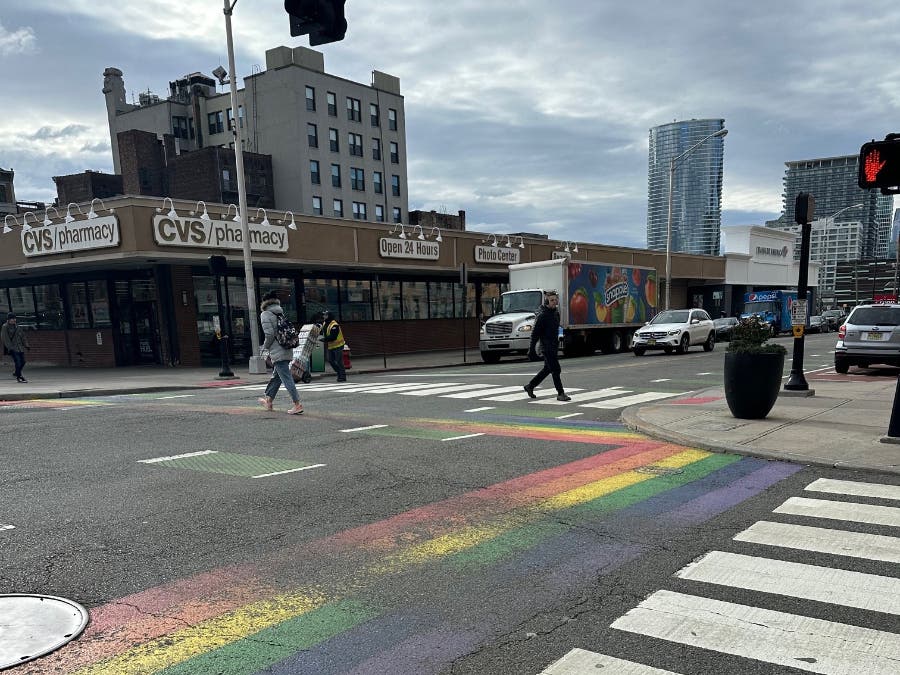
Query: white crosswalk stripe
646, 397
808, 643
522, 396
478, 393
589, 395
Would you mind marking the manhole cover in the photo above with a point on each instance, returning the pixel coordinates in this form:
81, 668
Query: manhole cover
34, 625
659, 470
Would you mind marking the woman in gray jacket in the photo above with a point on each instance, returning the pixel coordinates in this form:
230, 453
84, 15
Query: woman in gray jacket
270, 310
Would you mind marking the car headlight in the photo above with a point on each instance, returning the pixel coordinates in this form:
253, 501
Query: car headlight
526, 328
675, 332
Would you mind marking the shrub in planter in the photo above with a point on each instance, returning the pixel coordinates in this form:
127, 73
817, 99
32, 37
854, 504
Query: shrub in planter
753, 369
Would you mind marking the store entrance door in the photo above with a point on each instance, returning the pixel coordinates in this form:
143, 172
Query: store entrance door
139, 336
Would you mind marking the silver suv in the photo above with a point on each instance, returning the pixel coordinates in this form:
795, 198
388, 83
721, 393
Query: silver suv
871, 334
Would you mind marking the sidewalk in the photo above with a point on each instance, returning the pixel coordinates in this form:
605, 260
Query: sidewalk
840, 426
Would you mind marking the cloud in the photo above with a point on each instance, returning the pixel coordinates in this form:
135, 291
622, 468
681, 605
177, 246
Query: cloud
20, 41
46, 133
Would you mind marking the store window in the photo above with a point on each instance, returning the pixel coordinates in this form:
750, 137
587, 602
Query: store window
440, 300
356, 300
490, 299
49, 305
415, 299
320, 294
387, 300
98, 293
21, 301
79, 314
284, 288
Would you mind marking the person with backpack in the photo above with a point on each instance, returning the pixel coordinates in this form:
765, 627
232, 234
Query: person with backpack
334, 344
15, 342
280, 339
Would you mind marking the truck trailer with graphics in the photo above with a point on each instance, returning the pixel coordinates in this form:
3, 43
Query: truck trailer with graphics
600, 305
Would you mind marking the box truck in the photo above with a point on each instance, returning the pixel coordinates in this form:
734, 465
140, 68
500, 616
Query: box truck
600, 306
774, 307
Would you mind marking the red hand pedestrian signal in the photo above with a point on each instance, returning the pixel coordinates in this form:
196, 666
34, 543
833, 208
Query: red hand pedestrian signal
872, 165
879, 165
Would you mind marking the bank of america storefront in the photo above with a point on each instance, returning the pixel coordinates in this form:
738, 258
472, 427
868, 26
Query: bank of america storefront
127, 282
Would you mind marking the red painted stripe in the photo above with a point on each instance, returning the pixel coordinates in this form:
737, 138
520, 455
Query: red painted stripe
695, 401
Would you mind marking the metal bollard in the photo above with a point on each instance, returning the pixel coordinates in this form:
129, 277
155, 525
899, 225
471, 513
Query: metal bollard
894, 426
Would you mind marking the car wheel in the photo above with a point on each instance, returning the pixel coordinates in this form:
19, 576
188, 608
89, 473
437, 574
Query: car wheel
490, 357
639, 351
685, 344
710, 343
841, 366
668, 350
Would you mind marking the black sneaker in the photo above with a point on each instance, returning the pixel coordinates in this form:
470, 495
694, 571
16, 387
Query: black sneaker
21, 379
563, 397
529, 390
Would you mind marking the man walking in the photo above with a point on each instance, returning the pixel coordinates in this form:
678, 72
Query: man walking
15, 342
334, 344
546, 329
270, 314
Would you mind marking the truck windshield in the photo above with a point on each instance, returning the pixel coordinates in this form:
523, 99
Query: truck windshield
521, 301
754, 307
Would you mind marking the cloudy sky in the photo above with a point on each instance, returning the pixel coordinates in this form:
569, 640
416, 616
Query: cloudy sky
529, 115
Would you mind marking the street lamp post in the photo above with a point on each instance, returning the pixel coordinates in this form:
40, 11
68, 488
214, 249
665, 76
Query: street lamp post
256, 362
672, 162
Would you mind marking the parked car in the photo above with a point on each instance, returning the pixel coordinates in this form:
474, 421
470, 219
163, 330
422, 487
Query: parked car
724, 328
834, 317
675, 329
817, 324
871, 334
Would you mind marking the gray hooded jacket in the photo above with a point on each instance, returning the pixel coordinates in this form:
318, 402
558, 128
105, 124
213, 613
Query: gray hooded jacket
270, 311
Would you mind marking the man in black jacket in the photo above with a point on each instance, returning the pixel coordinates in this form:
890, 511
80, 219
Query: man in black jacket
546, 329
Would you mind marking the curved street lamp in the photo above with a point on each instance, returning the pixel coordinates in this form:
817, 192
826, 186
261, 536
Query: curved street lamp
672, 162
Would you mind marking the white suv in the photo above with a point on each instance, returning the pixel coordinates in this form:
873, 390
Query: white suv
871, 334
675, 329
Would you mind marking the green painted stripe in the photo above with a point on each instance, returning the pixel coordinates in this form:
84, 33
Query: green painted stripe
527, 536
429, 434
233, 464
259, 650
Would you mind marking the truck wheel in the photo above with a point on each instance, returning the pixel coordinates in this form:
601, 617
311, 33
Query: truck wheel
685, 344
490, 357
617, 342
639, 351
710, 343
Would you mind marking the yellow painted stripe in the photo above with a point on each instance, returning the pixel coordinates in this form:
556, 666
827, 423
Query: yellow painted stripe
230, 627
469, 537
604, 486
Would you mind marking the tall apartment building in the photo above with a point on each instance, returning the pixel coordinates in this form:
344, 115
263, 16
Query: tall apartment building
696, 188
338, 147
833, 182
829, 244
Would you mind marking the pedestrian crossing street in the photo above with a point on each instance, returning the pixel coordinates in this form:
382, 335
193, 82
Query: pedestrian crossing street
607, 398
782, 638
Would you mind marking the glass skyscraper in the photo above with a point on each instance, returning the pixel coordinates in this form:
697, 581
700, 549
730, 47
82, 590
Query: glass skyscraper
696, 187
833, 182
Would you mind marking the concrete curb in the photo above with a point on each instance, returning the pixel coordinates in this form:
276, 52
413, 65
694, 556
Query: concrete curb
632, 418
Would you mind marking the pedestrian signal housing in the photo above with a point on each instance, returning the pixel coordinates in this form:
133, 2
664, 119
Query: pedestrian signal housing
879, 165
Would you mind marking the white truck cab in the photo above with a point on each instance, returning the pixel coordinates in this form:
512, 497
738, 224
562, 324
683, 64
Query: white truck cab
509, 331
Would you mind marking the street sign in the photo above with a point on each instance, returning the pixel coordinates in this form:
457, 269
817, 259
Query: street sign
798, 314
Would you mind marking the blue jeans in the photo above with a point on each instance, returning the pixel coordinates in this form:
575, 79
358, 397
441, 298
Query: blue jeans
281, 374
18, 362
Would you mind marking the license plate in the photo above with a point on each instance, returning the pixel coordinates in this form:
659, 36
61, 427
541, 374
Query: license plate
651, 341
875, 336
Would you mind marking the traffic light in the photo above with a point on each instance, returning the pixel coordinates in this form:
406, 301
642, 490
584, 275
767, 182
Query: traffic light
322, 19
879, 165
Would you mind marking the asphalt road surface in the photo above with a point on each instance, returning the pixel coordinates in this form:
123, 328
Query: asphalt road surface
440, 521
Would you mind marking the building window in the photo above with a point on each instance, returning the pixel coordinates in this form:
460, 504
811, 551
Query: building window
314, 172
395, 186
216, 121
359, 210
338, 208
356, 147
48, 302
332, 103
22, 304
310, 98
230, 117
415, 299
376, 181
312, 134
440, 300
395, 153
180, 127
354, 110
376, 149
356, 300
357, 179
373, 114
397, 214
319, 294
387, 296
317, 206
392, 119
336, 175
241, 116
191, 126
333, 142
379, 213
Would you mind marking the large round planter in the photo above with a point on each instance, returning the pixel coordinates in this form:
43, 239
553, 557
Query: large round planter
752, 383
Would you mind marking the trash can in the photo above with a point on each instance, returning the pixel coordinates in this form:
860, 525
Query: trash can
346, 355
